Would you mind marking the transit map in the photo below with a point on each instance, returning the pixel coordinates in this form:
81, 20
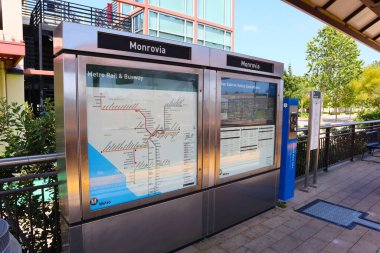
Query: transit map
142, 133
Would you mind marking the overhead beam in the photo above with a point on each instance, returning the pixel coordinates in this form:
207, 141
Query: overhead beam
321, 14
374, 6
376, 37
354, 13
328, 4
369, 24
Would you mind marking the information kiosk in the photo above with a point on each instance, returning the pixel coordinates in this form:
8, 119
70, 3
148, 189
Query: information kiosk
166, 143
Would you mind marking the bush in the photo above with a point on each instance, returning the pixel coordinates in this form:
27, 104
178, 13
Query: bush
35, 212
366, 115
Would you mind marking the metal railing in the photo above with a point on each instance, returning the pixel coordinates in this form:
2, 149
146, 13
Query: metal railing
53, 12
29, 203
337, 143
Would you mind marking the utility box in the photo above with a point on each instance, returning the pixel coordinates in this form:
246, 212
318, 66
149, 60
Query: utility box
289, 148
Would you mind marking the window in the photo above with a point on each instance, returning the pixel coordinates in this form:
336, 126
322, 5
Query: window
138, 23
181, 6
170, 27
217, 11
214, 37
125, 9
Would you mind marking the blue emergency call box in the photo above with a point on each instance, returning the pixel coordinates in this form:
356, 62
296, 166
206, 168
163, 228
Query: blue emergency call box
288, 149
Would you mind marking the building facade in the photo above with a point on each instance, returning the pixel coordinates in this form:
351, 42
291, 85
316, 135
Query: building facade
39, 19
12, 51
204, 22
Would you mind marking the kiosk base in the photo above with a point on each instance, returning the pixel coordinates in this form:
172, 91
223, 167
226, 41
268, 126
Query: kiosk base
243, 199
173, 224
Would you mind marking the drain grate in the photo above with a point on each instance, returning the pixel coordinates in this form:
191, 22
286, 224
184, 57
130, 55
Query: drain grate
337, 214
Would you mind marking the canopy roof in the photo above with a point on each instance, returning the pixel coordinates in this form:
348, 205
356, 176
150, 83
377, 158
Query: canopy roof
357, 18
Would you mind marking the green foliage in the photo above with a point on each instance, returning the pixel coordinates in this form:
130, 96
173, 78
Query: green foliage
367, 86
366, 115
333, 62
23, 133
375, 64
295, 87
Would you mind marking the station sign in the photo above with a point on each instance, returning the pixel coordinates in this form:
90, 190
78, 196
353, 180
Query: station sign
246, 63
142, 46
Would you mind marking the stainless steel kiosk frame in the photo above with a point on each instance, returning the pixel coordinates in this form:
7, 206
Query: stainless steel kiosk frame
167, 221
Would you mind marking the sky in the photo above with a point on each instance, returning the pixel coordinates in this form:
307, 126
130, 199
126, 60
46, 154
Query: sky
274, 30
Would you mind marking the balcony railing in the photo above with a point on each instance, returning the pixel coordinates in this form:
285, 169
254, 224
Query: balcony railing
53, 12
27, 7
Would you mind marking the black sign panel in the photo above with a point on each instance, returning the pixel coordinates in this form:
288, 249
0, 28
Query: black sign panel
246, 63
142, 46
316, 94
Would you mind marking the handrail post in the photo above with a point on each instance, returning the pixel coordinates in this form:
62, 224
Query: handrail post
327, 149
352, 142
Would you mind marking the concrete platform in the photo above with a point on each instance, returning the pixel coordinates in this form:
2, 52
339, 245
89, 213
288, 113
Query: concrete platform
352, 184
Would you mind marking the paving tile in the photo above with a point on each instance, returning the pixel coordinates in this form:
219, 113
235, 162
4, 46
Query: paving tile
231, 232
255, 221
350, 202
372, 236
215, 250
325, 194
234, 242
289, 213
312, 245
317, 224
351, 235
190, 249
328, 233
275, 222
338, 246
364, 246
280, 232
286, 244
261, 243
304, 233
296, 222
242, 250
269, 250
256, 231
209, 242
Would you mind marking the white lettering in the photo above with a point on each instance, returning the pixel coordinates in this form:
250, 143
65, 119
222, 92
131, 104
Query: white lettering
250, 65
132, 45
149, 49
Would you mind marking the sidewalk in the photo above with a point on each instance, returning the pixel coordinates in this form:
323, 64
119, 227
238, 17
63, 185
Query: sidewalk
355, 185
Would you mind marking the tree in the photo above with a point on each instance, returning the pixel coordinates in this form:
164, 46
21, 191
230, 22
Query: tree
333, 61
367, 86
375, 64
294, 86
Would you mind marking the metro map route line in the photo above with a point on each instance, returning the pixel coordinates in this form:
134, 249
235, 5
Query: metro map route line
127, 108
